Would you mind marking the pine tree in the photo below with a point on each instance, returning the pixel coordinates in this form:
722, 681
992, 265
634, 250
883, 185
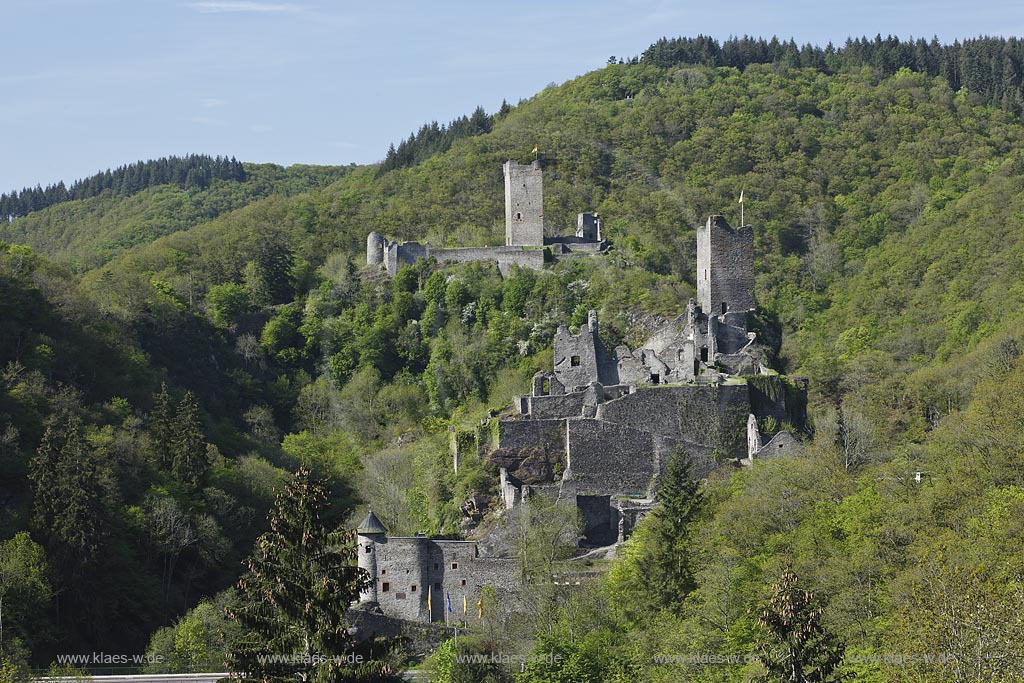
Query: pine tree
796, 646
189, 461
301, 579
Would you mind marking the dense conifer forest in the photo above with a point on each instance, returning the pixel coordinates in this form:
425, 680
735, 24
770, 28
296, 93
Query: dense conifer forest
173, 349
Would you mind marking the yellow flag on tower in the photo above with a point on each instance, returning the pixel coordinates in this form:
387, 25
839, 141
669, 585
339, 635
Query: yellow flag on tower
480, 607
465, 606
535, 148
430, 612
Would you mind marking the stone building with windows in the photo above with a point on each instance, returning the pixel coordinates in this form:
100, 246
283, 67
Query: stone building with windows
415, 578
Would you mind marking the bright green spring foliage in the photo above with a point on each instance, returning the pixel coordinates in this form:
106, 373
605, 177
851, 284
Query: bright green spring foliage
887, 204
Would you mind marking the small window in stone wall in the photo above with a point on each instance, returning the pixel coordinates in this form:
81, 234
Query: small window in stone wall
399, 596
385, 587
574, 361
463, 582
455, 565
383, 572
369, 548
436, 566
412, 588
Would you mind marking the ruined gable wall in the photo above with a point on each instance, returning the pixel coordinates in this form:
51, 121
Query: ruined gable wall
779, 445
582, 347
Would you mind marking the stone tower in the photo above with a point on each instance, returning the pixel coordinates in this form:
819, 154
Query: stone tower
725, 267
370, 532
524, 205
374, 249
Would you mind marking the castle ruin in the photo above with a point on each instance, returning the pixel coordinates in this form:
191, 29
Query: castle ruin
525, 243
598, 429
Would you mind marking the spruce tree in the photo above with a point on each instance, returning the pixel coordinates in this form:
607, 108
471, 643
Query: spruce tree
70, 510
161, 427
679, 498
189, 460
301, 579
795, 645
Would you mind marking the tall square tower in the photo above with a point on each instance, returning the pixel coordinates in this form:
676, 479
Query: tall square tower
524, 205
725, 267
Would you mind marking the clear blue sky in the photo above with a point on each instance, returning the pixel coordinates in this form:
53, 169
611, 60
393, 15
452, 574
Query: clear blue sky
93, 84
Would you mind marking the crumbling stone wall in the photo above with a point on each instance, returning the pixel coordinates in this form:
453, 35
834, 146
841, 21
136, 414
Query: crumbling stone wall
714, 415
608, 458
555, 407
580, 360
576, 357
516, 435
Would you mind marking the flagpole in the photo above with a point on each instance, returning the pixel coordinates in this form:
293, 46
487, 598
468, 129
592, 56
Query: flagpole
742, 223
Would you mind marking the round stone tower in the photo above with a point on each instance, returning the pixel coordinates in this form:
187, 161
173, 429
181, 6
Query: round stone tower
374, 249
369, 533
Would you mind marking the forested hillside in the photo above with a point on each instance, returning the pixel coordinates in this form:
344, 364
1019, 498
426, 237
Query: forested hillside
114, 211
169, 356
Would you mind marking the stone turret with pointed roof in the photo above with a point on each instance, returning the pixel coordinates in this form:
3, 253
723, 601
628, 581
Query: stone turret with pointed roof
370, 532
370, 525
